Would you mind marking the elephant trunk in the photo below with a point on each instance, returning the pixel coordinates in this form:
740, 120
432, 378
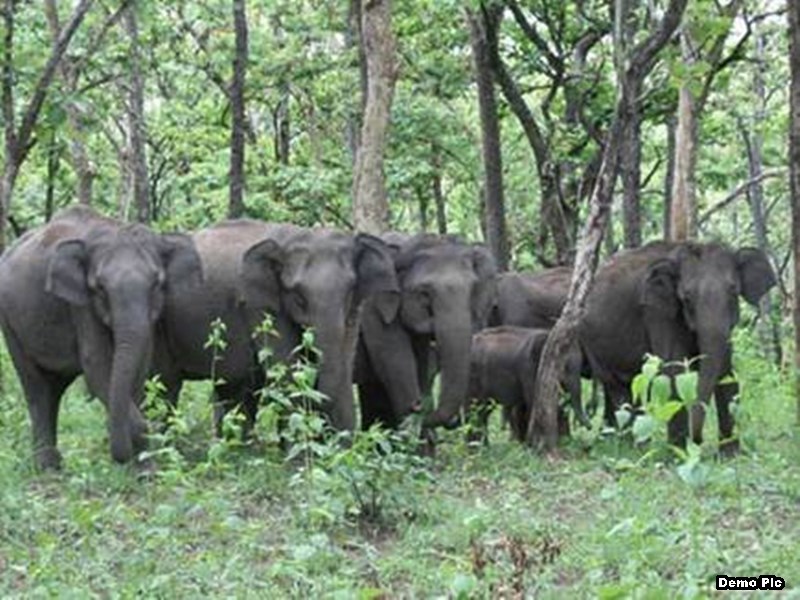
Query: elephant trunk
336, 337
713, 344
453, 331
132, 350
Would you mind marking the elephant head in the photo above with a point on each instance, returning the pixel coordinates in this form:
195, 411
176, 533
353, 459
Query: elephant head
319, 278
448, 290
118, 279
698, 285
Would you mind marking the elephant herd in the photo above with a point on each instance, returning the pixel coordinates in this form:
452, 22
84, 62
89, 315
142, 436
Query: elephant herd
118, 303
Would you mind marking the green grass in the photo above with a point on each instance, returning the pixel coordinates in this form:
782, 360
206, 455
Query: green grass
218, 520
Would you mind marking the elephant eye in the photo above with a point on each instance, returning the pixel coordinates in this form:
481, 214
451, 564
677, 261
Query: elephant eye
298, 300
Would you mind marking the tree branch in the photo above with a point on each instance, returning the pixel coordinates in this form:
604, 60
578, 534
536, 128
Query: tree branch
739, 190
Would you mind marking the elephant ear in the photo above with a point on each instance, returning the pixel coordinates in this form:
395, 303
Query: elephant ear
260, 276
486, 288
660, 287
755, 273
66, 273
181, 260
376, 276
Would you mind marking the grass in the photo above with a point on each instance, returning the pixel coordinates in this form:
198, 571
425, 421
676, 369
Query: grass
220, 520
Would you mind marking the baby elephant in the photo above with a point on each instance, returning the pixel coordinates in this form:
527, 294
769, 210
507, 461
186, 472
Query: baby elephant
504, 362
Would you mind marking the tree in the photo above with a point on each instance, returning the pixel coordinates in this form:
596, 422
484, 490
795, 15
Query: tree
493, 202
794, 162
137, 130
543, 424
18, 138
236, 174
370, 203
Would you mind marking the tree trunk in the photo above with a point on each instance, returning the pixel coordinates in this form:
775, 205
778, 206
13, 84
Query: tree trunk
437, 189
793, 8
236, 173
769, 324
683, 224
630, 168
370, 204
494, 203
53, 163
543, 423
353, 42
79, 157
136, 121
18, 139
669, 176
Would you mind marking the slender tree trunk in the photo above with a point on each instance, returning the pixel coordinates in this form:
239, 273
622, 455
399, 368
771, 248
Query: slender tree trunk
494, 203
53, 163
136, 120
79, 157
769, 325
630, 168
353, 42
370, 203
437, 189
543, 423
236, 172
793, 9
669, 176
17, 142
684, 200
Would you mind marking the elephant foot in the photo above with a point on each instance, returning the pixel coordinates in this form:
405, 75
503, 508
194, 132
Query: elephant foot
47, 459
729, 448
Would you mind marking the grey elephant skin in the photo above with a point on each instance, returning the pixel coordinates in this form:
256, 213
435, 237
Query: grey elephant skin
531, 299
677, 301
447, 290
503, 367
301, 277
84, 294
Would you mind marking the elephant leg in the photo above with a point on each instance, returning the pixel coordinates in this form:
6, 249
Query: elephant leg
43, 391
375, 405
724, 393
228, 397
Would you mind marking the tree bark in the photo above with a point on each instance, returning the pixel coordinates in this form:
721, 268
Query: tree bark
543, 423
669, 176
353, 42
370, 203
136, 120
683, 224
494, 203
236, 173
437, 189
83, 166
18, 140
793, 9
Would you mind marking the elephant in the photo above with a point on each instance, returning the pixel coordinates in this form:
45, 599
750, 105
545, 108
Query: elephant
447, 291
84, 294
303, 278
676, 300
531, 299
503, 366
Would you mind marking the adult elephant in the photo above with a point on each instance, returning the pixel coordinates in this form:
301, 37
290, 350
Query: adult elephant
83, 294
532, 300
447, 290
675, 300
303, 278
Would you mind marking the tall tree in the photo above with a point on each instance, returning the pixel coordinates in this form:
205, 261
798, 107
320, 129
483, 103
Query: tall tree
238, 117
134, 108
543, 424
703, 59
494, 204
18, 138
370, 202
794, 162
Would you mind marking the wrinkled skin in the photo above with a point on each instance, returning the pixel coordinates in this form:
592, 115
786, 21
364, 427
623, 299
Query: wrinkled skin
302, 278
447, 290
83, 294
531, 299
503, 366
676, 301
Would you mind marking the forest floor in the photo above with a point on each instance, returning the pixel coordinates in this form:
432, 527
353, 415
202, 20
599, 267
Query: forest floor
604, 519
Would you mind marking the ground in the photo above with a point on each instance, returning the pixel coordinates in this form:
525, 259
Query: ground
602, 519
